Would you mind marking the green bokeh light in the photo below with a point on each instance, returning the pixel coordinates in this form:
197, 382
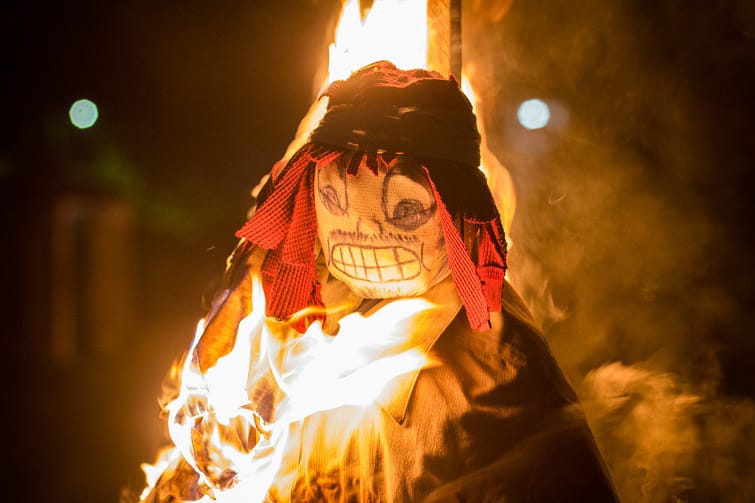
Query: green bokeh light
83, 114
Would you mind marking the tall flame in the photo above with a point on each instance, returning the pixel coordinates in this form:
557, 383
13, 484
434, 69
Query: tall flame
499, 179
393, 29
397, 31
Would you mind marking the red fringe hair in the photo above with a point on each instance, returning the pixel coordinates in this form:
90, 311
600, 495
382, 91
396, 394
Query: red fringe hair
286, 225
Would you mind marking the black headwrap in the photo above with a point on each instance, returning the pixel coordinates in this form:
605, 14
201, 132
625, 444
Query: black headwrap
416, 112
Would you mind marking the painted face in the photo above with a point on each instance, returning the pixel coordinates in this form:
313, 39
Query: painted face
381, 233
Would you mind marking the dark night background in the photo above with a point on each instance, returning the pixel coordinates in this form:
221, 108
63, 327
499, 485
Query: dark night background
632, 237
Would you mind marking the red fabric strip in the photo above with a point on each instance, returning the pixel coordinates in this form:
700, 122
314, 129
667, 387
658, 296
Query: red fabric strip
270, 222
286, 225
463, 270
491, 267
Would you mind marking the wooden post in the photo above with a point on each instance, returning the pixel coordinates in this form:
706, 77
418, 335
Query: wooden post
455, 40
444, 36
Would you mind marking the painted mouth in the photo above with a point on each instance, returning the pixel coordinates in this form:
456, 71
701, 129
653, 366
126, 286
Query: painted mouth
375, 264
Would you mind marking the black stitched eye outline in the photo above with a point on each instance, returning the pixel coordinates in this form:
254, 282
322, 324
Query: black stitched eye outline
410, 214
329, 194
330, 199
417, 205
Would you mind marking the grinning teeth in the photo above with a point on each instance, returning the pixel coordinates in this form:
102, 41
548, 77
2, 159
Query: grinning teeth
385, 257
358, 259
403, 255
370, 257
410, 269
375, 264
391, 273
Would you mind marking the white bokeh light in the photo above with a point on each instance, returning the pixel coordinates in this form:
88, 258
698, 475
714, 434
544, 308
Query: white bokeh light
533, 114
83, 114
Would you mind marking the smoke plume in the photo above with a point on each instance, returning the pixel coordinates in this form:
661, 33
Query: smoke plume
627, 235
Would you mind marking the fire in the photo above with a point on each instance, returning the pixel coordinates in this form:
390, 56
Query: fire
221, 433
499, 179
393, 29
396, 30
235, 449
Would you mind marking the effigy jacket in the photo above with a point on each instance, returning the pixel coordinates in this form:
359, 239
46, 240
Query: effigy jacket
492, 419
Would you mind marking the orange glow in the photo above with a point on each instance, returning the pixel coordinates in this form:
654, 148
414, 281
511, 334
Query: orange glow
234, 451
396, 30
499, 179
214, 425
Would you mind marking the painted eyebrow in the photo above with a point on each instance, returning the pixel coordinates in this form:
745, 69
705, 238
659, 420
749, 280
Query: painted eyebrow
417, 176
411, 170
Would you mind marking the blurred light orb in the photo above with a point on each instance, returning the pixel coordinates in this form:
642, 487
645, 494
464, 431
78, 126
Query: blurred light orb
83, 114
533, 114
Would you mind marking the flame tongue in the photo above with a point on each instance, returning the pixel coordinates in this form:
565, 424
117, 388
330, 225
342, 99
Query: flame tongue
318, 372
393, 29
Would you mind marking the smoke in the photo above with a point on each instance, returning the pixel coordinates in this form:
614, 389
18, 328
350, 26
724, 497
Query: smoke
626, 229
667, 440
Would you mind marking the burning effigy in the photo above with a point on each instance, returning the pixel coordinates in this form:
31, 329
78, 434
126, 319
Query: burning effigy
365, 345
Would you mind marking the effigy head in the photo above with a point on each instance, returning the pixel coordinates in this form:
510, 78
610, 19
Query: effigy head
389, 183
380, 232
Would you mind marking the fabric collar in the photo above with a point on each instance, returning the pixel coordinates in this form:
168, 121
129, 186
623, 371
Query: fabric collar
428, 327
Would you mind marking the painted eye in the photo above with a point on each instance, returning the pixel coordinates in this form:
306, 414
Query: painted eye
330, 199
409, 214
408, 201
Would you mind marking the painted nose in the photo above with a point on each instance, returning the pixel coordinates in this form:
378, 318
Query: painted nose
369, 225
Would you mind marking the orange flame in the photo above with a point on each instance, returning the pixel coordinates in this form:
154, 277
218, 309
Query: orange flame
212, 421
396, 30
499, 179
